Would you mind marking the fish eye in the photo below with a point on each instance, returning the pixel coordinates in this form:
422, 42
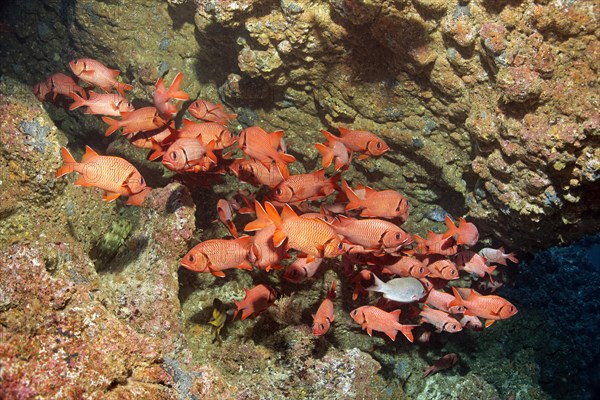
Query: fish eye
142, 180
378, 145
75, 62
421, 270
453, 272
322, 326
511, 308
174, 155
191, 258
397, 236
278, 191
340, 246
353, 313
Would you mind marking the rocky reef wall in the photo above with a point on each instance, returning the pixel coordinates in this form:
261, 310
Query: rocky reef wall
491, 110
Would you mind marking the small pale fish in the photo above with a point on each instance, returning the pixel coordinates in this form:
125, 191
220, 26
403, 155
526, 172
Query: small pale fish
218, 319
402, 290
497, 256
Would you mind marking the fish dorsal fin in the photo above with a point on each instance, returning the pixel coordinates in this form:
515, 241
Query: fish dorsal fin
288, 213
275, 138
473, 295
344, 131
319, 175
396, 314
89, 153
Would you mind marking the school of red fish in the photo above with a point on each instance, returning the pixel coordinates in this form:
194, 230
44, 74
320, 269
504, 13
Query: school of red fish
359, 228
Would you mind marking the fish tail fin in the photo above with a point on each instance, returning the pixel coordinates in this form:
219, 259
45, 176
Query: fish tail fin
407, 331
428, 372
511, 257
452, 229
326, 152
331, 138
122, 87
354, 201
283, 159
237, 308
69, 163
174, 91
113, 125
331, 292
377, 284
230, 116
262, 219
157, 151
77, 101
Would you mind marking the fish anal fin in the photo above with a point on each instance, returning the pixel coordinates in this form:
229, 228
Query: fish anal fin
110, 196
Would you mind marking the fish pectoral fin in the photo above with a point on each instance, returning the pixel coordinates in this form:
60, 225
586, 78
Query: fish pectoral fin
215, 272
363, 156
369, 331
489, 323
110, 196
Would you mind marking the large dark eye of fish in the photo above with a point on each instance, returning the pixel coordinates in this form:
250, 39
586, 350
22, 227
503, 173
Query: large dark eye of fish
340, 246
397, 236
322, 326
353, 313
142, 181
511, 309
378, 145
174, 155
191, 258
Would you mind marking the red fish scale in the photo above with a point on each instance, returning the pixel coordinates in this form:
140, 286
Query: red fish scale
366, 232
305, 234
222, 253
106, 172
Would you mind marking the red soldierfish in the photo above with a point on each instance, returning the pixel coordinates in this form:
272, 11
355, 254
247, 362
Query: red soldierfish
310, 236
407, 266
217, 255
143, 119
364, 142
156, 140
56, 84
206, 132
255, 173
440, 319
441, 301
187, 155
473, 263
324, 317
163, 97
262, 146
445, 362
435, 244
264, 254
302, 187
300, 270
466, 233
115, 175
335, 151
111, 104
207, 111
96, 73
225, 213
372, 319
256, 300
383, 204
489, 307
375, 234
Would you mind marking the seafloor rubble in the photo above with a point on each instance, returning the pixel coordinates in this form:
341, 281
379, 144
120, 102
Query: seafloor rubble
491, 109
